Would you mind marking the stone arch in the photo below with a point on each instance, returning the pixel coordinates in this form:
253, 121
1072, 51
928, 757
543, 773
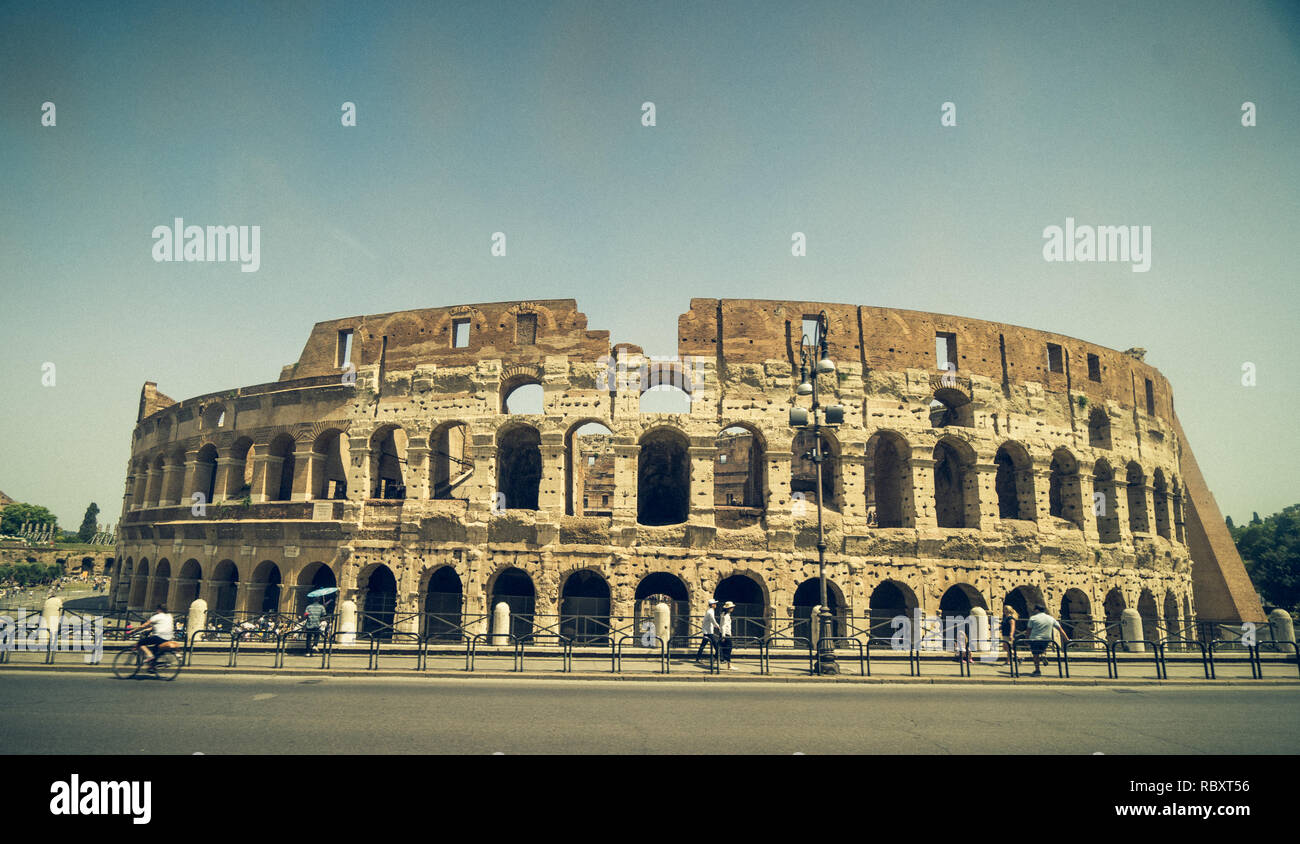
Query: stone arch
739, 479
1064, 494
519, 466
663, 477
265, 588
889, 480
1099, 429
162, 574
950, 406
225, 593
443, 599
749, 594
1106, 508
377, 600
214, 416
890, 599
806, 597
205, 474
1023, 599
1173, 629
803, 470
661, 585
1076, 614
955, 608
1137, 499
315, 575
523, 384
584, 608
513, 586
140, 585
1176, 505
188, 583
388, 462
1160, 497
450, 465
1014, 482
239, 476
1146, 608
279, 468
174, 487
1113, 607
330, 460
589, 468
956, 485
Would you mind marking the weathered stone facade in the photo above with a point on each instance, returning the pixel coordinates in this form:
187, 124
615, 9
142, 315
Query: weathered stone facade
1041, 466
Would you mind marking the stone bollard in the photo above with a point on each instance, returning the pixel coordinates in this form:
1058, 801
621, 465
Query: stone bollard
815, 626
1283, 628
198, 618
663, 622
1130, 625
347, 623
501, 625
978, 630
50, 616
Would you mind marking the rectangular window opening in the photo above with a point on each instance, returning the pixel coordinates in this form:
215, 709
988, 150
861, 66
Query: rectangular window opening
526, 329
1055, 358
459, 333
344, 349
945, 350
1151, 398
1094, 368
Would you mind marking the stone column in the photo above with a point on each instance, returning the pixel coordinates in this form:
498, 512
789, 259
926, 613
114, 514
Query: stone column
172, 476
307, 464
266, 477
359, 468
198, 617
140, 483
624, 505
501, 625
986, 480
230, 477
700, 497
153, 487
1131, 626
190, 479
853, 474
1087, 506
923, 489
551, 488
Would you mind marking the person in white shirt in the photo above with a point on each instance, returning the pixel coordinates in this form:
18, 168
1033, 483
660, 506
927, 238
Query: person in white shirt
724, 632
161, 628
709, 629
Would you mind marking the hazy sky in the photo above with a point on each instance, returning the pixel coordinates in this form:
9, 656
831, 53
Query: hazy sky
525, 118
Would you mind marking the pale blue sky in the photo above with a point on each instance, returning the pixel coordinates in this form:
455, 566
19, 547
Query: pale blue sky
525, 118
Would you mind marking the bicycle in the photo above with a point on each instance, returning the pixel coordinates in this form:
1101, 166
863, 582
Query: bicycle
130, 662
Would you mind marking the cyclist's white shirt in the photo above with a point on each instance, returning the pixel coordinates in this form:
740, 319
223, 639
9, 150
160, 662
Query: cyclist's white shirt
163, 626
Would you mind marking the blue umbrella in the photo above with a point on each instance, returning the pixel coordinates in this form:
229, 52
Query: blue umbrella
320, 593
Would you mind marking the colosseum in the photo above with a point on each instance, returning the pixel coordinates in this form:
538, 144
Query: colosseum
978, 464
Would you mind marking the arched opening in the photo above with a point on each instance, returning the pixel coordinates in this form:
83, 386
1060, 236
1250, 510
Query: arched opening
162, 574
379, 603
1099, 429
214, 417
87, 566
889, 486
1173, 629
1014, 483
889, 601
956, 492
108, 567
803, 469
140, 585
205, 474
1189, 623
955, 612
951, 407
1105, 502
1023, 599
264, 591
808, 596
1076, 614
738, 469
1114, 606
662, 587
589, 456
187, 584
330, 466
1176, 503
750, 615
515, 588
239, 475
312, 577
663, 478
122, 588
449, 462
584, 608
279, 469
388, 463
1150, 618
1160, 497
443, 602
665, 387
174, 480
225, 592
523, 397
519, 467
1137, 500
1063, 492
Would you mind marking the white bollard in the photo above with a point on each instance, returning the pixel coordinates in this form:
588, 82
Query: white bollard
347, 623
50, 616
978, 630
1130, 624
501, 625
1283, 627
198, 617
815, 625
663, 622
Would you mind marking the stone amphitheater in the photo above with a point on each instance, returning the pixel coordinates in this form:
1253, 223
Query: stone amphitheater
978, 464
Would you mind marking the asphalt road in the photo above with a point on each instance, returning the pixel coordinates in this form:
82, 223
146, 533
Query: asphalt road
85, 713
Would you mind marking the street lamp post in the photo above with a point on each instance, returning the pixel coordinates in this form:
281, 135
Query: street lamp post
810, 367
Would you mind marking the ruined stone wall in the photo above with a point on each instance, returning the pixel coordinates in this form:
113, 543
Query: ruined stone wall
1013, 424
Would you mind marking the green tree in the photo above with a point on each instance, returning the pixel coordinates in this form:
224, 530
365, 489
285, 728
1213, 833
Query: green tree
1270, 548
18, 514
89, 524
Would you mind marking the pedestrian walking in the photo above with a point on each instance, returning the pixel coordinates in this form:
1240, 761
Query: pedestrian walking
1041, 627
1008, 630
724, 634
314, 614
708, 629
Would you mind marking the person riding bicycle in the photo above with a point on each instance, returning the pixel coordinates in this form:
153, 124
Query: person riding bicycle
161, 628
